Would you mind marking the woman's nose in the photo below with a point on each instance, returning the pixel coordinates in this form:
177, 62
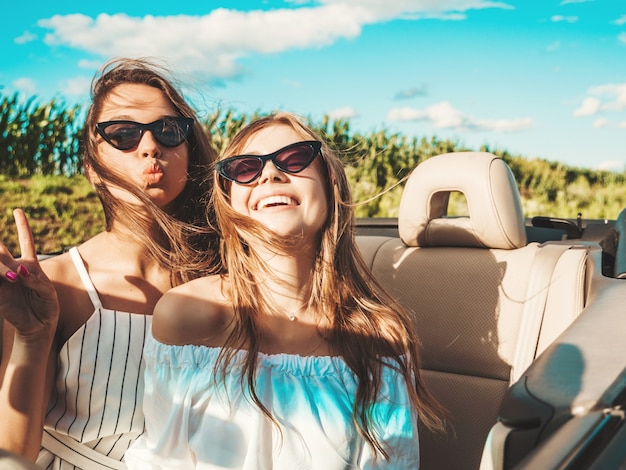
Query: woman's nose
148, 146
270, 173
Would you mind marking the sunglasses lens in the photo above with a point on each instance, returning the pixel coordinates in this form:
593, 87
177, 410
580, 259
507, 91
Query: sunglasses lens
243, 170
294, 159
170, 132
291, 159
123, 136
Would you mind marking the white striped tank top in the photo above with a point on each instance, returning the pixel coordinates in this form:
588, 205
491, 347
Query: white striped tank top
96, 397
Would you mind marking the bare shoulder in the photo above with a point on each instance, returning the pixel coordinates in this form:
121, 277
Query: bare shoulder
196, 312
58, 268
62, 273
75, 304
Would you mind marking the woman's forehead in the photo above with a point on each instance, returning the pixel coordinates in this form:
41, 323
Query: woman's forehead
131, 98
272, 138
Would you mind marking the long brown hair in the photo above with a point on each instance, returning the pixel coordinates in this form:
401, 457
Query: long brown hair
181, 239
367, 327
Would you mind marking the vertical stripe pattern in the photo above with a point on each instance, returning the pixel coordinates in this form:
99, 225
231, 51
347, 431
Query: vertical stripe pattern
96, 397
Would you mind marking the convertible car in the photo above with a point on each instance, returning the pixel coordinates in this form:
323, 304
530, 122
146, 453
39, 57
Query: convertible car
522, 322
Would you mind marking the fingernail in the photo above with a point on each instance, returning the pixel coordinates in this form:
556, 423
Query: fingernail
11, 276
23, 271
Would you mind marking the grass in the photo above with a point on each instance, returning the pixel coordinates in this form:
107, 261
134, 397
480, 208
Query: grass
62, 211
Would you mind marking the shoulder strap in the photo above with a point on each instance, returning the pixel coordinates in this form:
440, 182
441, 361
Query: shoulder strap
84, 277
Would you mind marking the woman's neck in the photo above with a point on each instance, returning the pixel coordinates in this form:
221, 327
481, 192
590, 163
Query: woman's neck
287, 282
123, 249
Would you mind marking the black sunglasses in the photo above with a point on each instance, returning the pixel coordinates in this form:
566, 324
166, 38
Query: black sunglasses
125, 135
293, 158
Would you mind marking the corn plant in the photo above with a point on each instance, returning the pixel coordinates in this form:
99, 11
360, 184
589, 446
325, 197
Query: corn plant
43, 141
38, 138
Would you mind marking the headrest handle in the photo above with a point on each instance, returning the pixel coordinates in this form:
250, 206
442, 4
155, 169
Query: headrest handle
496, 217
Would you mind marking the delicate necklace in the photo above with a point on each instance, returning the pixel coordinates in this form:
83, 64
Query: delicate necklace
292, 315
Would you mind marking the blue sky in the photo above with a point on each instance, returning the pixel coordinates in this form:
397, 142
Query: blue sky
540, 78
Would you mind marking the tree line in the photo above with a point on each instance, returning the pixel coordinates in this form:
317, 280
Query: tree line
43, 138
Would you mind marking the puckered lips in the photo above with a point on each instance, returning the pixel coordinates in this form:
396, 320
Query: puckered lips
153, 173
275, 201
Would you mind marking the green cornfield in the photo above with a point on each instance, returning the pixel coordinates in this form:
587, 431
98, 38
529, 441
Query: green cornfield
41, 172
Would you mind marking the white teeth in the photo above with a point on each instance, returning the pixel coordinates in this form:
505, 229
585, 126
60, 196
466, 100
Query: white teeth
275, 201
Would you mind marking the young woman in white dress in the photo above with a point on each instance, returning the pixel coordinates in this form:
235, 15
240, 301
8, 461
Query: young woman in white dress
293, 357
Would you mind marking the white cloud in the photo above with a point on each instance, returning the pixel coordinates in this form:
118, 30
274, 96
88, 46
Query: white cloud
406, 114
444, 116
622, 38
504, 125
415, 9
89, 64
622, 125
567, 2
214, 44
608, 98
24, 38
614, 95
411, 93
601, 122
620, 21
589, 107
342, 113
25, 85
611, 165
437, 16
211, 44
77, 86
567, 19
555, 46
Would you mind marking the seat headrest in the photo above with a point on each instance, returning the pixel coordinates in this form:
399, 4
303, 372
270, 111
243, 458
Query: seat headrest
496, 217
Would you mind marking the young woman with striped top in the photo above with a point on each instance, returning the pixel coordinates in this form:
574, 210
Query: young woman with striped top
75, 325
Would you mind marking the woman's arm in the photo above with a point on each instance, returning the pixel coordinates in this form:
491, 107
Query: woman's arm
30, 308
26, 372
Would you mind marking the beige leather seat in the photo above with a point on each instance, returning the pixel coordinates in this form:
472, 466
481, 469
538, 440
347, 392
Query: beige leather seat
485, 302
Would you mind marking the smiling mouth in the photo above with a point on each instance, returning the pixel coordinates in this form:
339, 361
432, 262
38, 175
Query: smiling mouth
275, 201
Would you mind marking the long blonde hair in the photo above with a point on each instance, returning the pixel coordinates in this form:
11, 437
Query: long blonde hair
367, 327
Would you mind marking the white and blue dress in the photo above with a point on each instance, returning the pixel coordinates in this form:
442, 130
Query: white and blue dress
194, 421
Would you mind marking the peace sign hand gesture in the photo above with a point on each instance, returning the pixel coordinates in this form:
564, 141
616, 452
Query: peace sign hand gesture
28, 299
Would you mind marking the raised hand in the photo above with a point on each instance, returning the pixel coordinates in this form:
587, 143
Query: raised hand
28, 300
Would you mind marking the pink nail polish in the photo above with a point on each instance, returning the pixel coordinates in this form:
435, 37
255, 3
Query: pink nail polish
23, 271
11, 276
